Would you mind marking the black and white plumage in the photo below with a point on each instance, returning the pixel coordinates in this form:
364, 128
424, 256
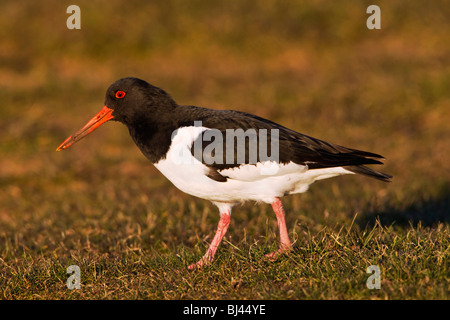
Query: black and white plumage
170, 136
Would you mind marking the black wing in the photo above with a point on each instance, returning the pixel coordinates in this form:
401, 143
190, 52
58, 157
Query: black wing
287, 145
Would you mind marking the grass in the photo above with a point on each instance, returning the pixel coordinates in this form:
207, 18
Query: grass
312, 66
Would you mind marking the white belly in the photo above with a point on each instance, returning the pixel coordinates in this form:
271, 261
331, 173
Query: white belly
261, 182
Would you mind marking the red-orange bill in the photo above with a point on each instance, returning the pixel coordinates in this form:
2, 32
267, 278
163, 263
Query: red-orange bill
104, 115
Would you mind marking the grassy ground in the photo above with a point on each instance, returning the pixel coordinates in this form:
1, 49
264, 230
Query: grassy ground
312, 66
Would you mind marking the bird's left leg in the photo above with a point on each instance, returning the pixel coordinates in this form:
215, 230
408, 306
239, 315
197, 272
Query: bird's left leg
224, 222
285, 243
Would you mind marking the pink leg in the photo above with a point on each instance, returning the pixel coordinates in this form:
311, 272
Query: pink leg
222, 228
285, 243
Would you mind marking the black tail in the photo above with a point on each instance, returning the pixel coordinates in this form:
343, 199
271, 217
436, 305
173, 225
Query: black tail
369, 172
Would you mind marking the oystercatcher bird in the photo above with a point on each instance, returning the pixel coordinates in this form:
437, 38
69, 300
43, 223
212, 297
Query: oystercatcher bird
224, 156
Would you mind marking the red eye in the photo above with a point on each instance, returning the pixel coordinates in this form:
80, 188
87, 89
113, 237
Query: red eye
120, 94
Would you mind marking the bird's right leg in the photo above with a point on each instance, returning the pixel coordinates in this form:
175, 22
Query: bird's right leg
224, 222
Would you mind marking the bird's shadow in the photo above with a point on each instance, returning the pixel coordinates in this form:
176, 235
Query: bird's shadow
427, 211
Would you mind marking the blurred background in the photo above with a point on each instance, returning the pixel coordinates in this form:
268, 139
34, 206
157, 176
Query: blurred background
312, 66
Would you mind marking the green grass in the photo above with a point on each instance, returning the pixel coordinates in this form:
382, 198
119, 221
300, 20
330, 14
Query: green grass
328, 264
311, 66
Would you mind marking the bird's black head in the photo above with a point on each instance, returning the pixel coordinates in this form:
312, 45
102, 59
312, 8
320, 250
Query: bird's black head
133, 98
128, 100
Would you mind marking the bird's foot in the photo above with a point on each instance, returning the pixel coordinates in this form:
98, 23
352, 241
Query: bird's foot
198, 265
206, 259
274, 255
222, 228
